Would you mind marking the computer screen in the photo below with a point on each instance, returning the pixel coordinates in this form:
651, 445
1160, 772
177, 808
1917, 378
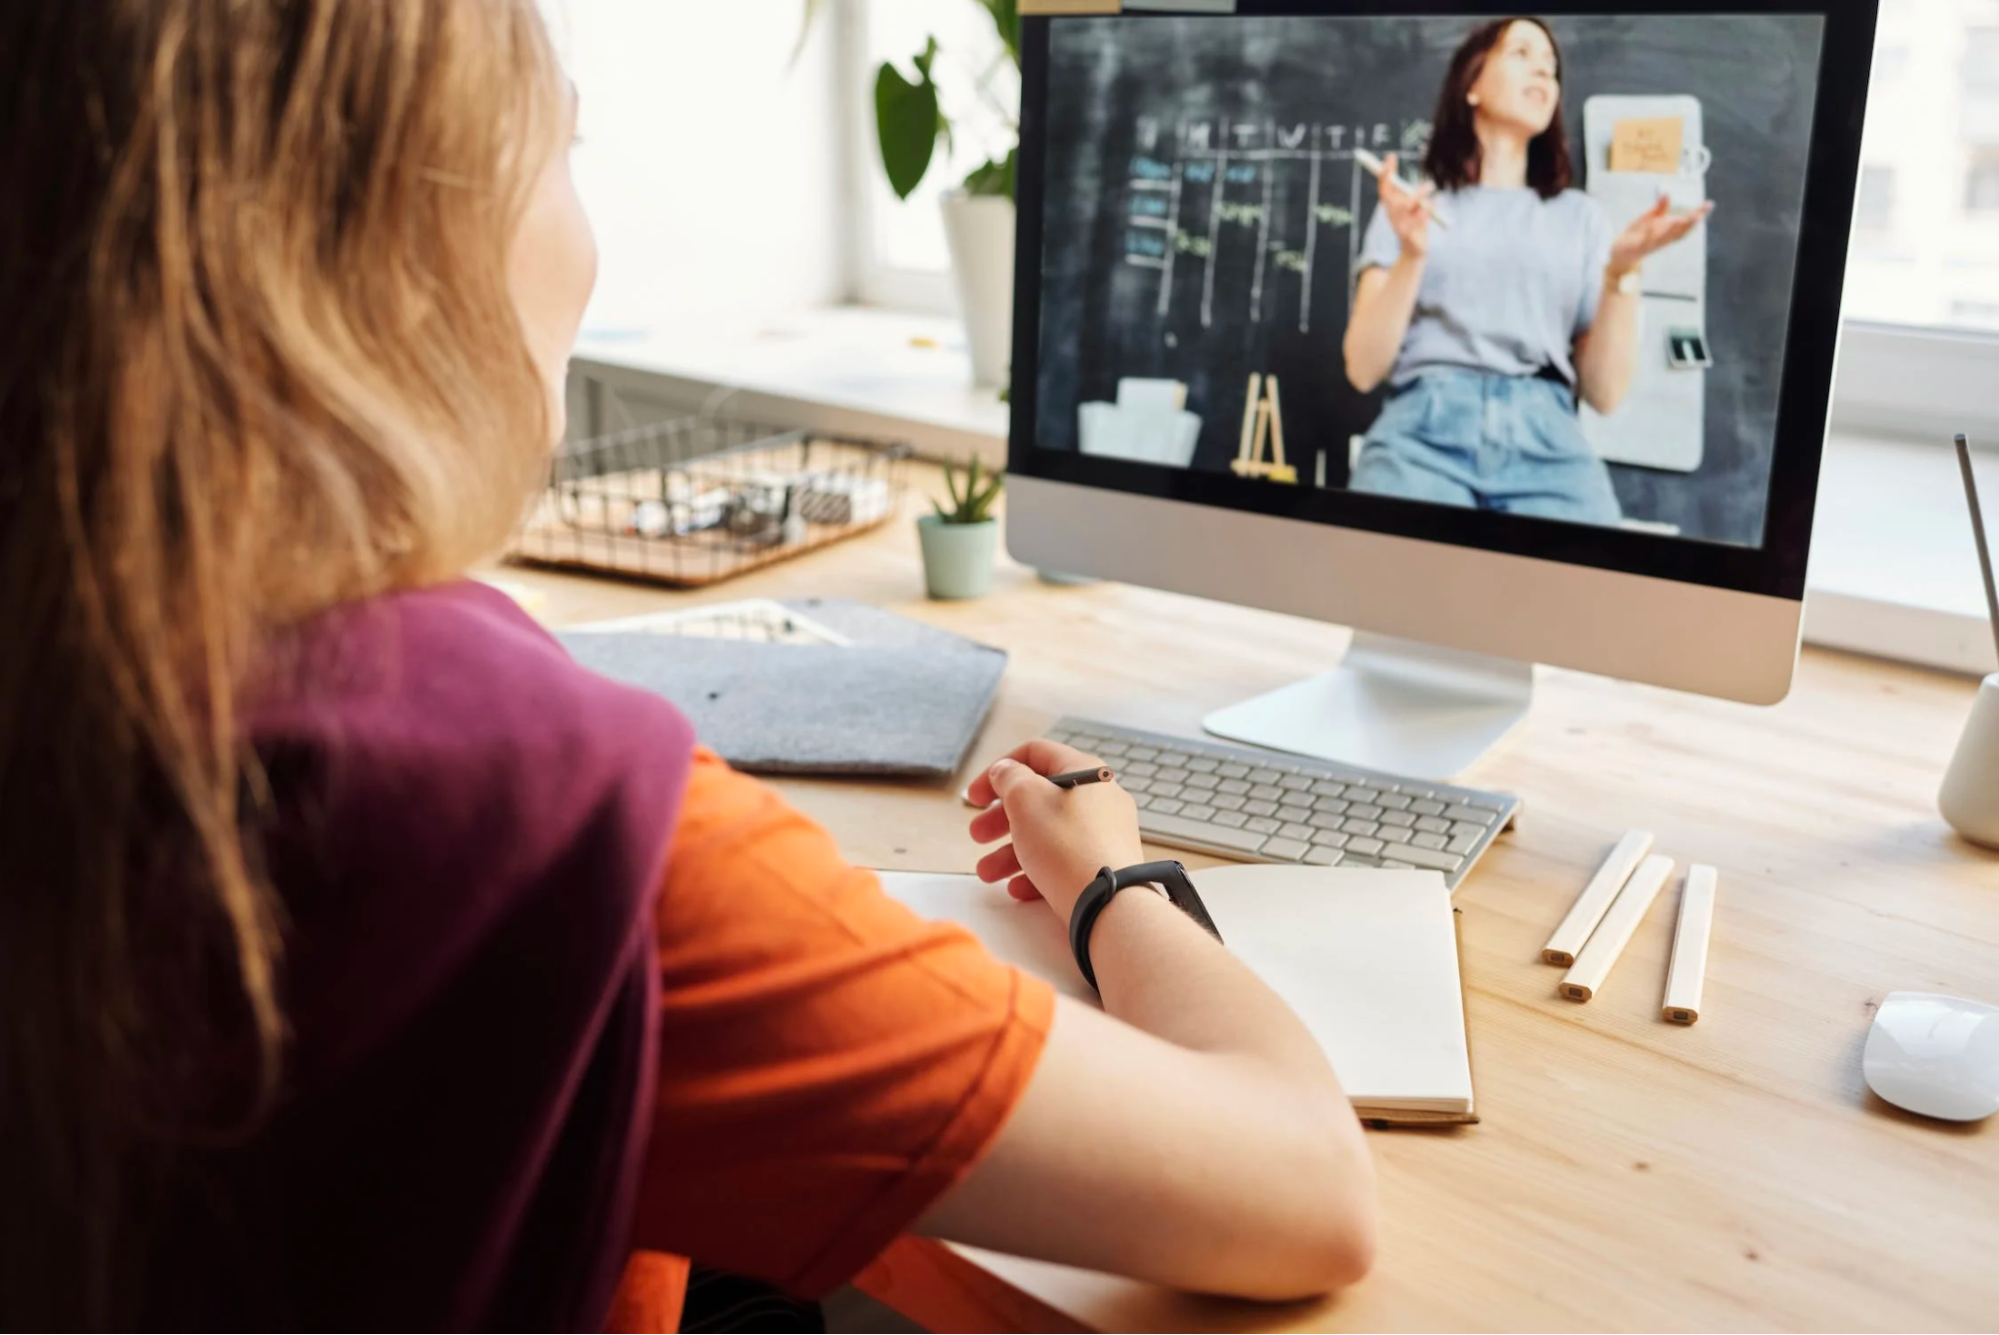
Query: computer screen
1563, 284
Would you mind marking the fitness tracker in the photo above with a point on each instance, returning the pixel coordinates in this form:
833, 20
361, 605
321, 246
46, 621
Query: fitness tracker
1168, 876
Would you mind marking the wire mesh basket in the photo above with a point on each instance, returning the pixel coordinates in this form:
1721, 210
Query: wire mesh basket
691, 501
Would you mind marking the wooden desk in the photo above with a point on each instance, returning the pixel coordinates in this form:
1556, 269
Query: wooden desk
1628, 1173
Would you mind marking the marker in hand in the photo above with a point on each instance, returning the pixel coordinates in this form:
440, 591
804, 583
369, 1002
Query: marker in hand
1375, 166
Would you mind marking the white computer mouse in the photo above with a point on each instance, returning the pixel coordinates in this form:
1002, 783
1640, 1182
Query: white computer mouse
1935, 1055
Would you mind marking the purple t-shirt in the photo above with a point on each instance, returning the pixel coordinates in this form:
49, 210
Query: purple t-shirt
468, 834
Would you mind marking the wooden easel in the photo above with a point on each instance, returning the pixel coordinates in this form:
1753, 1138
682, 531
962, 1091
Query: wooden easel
1263, 420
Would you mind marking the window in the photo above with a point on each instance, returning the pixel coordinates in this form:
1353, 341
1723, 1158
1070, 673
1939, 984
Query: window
1976, 314
1981, 60
905, 260
1874, 211
1981, 181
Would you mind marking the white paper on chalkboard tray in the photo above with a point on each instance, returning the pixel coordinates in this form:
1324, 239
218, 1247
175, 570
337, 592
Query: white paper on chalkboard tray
1148, 435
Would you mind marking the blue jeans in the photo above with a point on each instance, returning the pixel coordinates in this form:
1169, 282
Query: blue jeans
1488, 442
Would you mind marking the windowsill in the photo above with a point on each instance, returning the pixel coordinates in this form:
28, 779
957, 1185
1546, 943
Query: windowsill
855, 369
1893, 573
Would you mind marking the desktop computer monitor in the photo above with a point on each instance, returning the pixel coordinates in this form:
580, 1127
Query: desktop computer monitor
1503, 339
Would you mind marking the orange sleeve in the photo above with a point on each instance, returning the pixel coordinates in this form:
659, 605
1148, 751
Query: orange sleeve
829, 1062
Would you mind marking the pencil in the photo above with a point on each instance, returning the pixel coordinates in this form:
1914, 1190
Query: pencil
1592, 966
1690, 940
1101, 774
1978, 533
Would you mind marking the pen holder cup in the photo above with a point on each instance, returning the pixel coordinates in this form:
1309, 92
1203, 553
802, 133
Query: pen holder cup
1970, 796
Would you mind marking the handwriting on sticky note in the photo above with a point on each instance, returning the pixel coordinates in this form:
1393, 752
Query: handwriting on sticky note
1648, 145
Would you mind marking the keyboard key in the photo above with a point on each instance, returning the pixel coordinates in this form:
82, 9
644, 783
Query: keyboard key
1141, 800
1492, 804
1293, 813
1388, 834
1364, 811
1365, 848
1204, 764
1427, 807
1332, 804
1231, 770
1394, 801
1465, 827
1195, 811
1161, 789
1435, 841
1471, 813
1133, 784
1260, 825
1143, 753
1332, 820
1304, 832
1260, 808
1332, 839
1356, 860
1295, 782
1228, 801
1200, 780
1174, 775
1168, 827
1432, 825
1464, 843
1416, 793
1401, 818
1231, 820
1269, 792
1327, 788
1233, 786
1322, 856
1108, 748
1362, 827
1392, 865
1362, 793
1428, 859
1164, 808
1289, 850
1265, 775
1142, 768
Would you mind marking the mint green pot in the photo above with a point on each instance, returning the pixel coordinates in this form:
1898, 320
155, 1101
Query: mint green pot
958, 558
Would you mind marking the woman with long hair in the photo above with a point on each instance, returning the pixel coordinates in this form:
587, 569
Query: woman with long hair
364, 962
1490, 324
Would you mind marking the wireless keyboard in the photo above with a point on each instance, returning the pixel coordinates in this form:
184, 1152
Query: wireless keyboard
1267, 806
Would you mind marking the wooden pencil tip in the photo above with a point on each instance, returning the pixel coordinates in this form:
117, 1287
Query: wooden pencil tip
1575, 992
1561, 957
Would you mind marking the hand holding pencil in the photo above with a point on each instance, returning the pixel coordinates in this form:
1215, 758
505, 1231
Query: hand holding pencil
1410, 210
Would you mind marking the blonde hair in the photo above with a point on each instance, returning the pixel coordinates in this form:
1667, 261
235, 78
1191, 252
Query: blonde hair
261, 358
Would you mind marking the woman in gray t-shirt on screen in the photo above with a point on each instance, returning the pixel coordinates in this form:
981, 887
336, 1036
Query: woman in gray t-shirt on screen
1488, 326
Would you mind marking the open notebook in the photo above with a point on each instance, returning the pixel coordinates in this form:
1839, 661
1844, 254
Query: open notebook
1368, 958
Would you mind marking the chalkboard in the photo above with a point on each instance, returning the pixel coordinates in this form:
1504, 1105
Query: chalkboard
1203, 208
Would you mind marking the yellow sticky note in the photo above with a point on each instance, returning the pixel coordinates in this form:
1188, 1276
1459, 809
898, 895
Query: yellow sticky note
1649, 145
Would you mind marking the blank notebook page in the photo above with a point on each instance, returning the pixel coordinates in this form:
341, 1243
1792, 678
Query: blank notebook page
1367, 958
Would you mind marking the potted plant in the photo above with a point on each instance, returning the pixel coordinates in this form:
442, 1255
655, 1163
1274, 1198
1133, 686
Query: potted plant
979, 214
961, 539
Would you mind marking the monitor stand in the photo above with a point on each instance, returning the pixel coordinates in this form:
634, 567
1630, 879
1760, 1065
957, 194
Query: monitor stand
1400, 706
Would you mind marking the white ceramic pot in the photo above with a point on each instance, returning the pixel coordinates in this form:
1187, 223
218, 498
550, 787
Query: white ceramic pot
1970, 796
979, 229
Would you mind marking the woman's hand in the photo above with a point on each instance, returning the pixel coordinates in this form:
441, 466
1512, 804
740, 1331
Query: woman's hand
1654, 229
1408, 210
1061, 838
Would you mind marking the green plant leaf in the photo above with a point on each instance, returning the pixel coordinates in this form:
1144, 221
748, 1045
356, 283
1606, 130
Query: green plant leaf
908, 122
994, 177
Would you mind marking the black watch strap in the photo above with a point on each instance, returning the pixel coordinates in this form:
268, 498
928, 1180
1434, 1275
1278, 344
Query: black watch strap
1169, 876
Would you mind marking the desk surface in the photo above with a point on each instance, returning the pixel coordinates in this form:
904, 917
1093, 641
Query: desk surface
1628, 1173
